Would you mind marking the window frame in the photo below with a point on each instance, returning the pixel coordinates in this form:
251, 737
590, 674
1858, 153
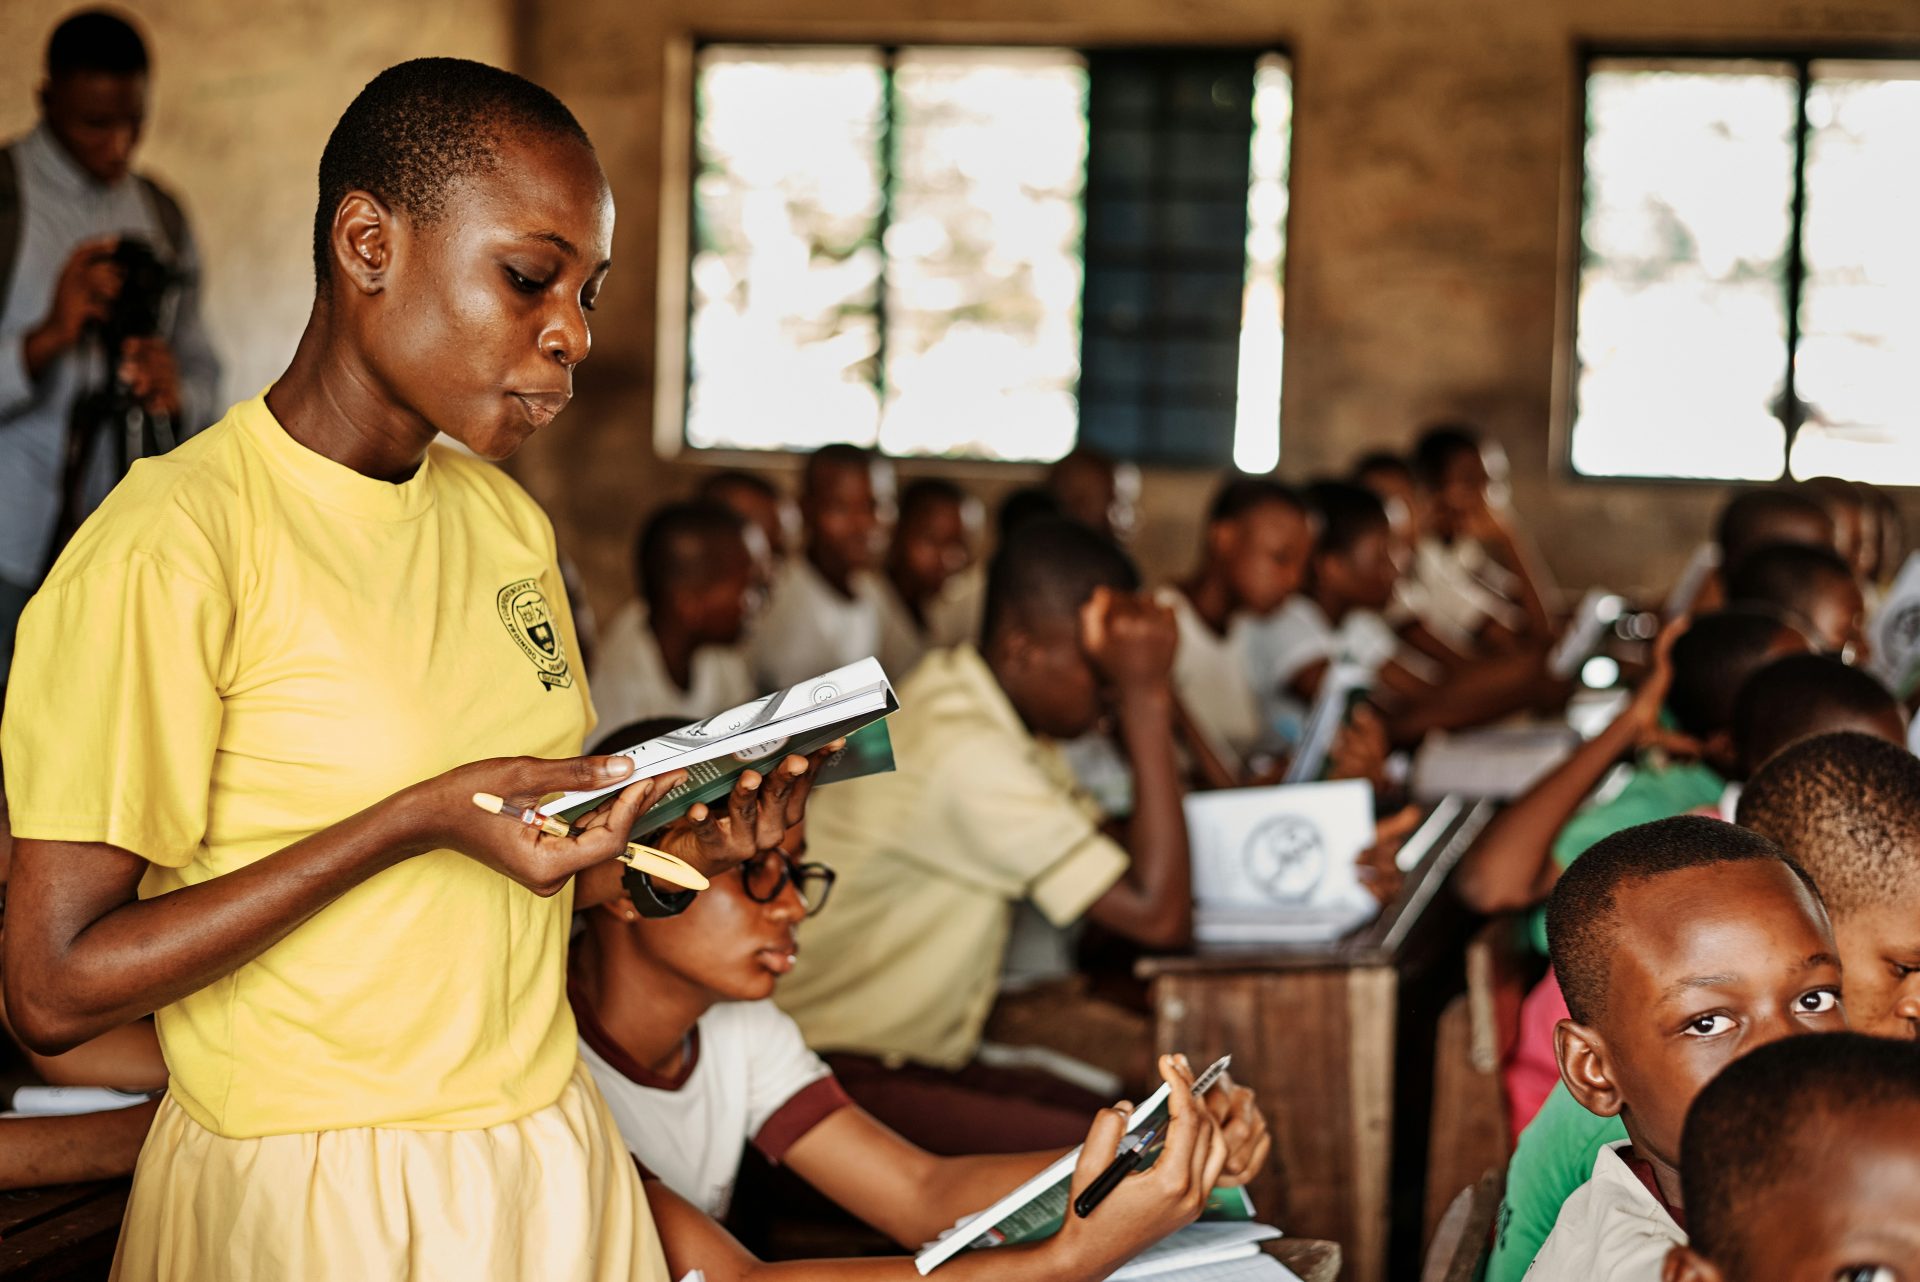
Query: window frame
679, 228
1566, 386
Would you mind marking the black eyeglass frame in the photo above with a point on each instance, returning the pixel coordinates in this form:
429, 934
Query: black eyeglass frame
792, 870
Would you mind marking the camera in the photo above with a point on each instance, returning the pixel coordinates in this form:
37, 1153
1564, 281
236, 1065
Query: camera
111, 417
147, 282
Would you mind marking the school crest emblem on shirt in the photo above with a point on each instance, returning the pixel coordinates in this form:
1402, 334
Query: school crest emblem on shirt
529, 620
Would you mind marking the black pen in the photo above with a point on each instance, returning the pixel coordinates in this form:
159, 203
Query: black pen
1125, 1163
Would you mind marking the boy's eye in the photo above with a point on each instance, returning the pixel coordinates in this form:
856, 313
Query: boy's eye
1866, 1273
1709, 1025
524, 284
1819, 1001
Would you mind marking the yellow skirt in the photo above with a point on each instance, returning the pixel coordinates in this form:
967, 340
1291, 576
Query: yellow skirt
553, 1197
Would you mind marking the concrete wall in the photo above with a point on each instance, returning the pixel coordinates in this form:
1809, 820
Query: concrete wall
1431, 187
1432, 155
244, 97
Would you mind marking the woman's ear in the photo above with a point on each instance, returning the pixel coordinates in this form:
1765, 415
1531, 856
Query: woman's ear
1582, 1055
362, 241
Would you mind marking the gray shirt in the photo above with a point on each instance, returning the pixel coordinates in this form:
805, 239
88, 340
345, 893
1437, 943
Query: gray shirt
62, 205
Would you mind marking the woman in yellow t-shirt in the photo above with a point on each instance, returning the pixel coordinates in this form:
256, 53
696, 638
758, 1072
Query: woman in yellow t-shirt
234, 739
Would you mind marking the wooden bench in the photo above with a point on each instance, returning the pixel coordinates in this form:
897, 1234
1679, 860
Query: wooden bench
66, 1232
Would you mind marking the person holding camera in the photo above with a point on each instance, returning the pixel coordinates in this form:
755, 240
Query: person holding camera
103, 356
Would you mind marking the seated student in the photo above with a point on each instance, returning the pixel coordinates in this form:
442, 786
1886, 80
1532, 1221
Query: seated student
1698, 671
1802, 1161
1847, 807
1681, 945
1253, 554
1755, 518
1479, 580
1803, 695
758, 500
1146, 1207
1097, 490
933, 545
696, 1062
1814, 587
1855, 537
699, 571
982, 814
824, 609
1352, 573
1848, 820
1390, 479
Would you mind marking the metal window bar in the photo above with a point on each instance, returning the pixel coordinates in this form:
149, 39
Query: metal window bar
1791, 410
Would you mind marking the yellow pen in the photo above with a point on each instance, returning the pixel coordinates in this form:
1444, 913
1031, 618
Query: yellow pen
646, 859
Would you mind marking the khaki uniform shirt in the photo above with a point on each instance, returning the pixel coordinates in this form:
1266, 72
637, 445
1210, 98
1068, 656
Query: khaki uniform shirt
905, 960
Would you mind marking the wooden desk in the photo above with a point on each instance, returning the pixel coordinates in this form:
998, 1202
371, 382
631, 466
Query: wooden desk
1338, 1041
66, 1232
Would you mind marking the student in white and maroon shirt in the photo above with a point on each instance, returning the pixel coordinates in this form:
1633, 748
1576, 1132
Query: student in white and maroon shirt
695, 1063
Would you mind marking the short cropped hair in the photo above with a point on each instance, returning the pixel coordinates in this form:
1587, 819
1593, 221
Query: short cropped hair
1380, 461
1438, 446
680, 544
1344, 514
734, 479
1046, 569
1767, 1115
1787, 576
926, 492
1752, 519
96, 40
1713, 658
838, 454
1240, 495
1847, 807
1801, 695
1583, 913
421, 128
1028, 503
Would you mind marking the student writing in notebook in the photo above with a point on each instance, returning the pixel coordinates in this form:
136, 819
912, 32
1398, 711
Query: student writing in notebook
1146, 1207
696, 1062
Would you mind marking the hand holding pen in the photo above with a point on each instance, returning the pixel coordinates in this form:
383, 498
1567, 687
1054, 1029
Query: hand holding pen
704, 843
1147, 1206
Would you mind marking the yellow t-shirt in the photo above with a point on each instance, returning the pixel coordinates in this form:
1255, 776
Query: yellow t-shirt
248, 643
905, 961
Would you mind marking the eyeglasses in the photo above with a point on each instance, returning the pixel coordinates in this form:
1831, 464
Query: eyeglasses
766, 876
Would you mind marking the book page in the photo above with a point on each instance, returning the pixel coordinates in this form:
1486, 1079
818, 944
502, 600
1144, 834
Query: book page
848, 697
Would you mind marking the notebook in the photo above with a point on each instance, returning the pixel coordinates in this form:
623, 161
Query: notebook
1277, 865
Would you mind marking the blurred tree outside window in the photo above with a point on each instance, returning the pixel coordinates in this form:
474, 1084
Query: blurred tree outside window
1749, 291
889, 248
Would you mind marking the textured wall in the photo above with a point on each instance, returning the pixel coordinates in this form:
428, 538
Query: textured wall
1431, 170
1432, 150
244, 97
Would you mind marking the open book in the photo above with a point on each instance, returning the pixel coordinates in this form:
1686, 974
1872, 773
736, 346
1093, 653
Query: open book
1205, 1250
846, 703
1039, 1208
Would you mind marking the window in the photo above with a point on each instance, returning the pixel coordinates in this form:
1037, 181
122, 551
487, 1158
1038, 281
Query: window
1749, 293
902, 248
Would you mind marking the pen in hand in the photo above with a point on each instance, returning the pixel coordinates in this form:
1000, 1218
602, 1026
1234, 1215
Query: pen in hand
1133, 1149
646, 859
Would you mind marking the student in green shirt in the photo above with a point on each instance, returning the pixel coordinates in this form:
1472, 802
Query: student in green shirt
1785, 702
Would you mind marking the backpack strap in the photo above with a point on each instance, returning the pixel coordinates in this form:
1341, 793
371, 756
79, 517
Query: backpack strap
173, 222
10, 219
